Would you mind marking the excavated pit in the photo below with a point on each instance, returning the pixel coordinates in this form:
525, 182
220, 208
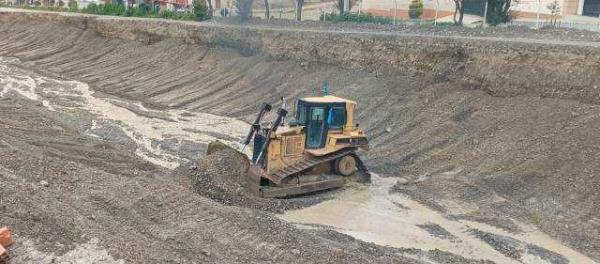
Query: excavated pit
496, 132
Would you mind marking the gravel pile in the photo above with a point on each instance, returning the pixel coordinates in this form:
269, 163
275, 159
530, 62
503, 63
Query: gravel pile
220, 176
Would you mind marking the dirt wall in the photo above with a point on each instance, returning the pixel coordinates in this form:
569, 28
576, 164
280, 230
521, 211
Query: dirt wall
501, 67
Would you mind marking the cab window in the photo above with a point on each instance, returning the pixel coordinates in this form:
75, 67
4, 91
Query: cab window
301, 115
337, 117
318, 114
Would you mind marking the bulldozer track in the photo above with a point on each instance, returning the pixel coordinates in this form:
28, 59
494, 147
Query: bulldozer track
307, 163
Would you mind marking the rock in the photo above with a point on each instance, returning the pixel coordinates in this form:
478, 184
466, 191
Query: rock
44, 183
532, 200
205, 253
295, 251
421, 179
388, 129
402, 181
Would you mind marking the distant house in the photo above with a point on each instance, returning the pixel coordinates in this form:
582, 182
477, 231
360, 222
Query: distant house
529, 8
399, 8
174, 4
522, 8
83, 3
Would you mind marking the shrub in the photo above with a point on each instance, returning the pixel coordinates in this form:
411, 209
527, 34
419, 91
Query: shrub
354, 17
244, 9
200, 10
120, 10
108, 9
168, 14
112, 9
554, 8
91, 8
73, 7
415, 9
499, 12
140, 11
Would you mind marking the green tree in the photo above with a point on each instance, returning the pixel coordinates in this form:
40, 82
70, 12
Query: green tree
244, 9
201, 10
554, 8
415, 9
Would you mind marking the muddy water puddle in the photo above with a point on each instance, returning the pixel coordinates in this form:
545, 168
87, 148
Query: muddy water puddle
372, 214
160, 136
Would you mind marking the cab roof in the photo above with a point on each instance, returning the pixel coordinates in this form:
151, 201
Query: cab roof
326, 99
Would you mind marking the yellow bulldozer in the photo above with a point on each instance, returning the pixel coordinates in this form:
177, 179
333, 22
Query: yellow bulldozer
314, 151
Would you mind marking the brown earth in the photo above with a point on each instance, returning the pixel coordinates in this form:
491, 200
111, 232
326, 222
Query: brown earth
61, 189
507, 125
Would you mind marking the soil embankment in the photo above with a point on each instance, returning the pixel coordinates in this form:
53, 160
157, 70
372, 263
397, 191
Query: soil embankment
505, 126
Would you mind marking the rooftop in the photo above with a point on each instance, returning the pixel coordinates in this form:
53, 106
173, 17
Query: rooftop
326, 99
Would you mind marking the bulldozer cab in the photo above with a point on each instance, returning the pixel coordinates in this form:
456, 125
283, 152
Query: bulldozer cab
320, 115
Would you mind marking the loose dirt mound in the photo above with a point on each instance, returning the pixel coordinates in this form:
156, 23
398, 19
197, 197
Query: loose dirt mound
220, 176
223, 171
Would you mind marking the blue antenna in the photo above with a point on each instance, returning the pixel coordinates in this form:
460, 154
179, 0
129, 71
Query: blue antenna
325, 88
